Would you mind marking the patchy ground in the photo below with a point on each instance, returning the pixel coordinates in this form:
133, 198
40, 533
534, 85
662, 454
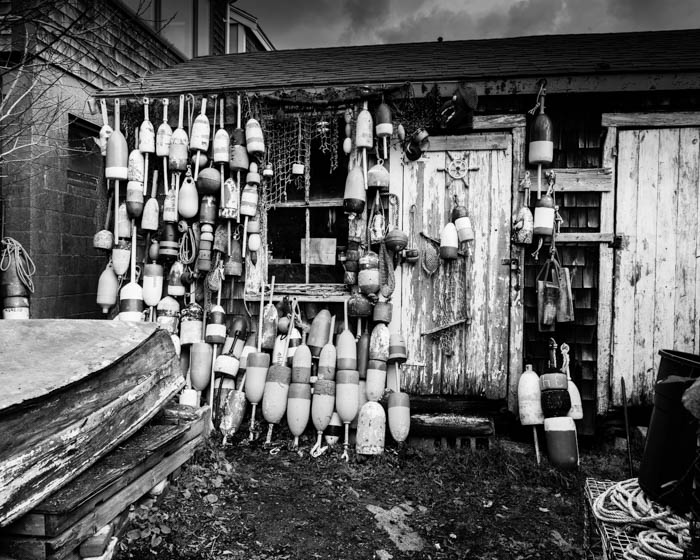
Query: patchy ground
242, 502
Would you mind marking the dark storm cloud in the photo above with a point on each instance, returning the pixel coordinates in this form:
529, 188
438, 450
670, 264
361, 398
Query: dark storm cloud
657, 14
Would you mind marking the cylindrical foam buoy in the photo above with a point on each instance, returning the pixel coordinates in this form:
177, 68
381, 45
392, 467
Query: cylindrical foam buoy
541, 146
298, 408
322, 403
346, 351
152, 284
399, 416
544, 216
169, 244
209, 181
175, 286
371, 429
248, 348
368, 276
397, 349
346, 394
555, 394
207, 210
379, 343
257, 364
191, 321
227, 364
301, 365
376, 380
216, 325
168, 314
131, 302
255, 144
354, 197
383, 310
562, 444
326, 362
363, 354
320, 332
107, 288
465, 231
275, 393
121, 256
449, 242
200, 365
530, 398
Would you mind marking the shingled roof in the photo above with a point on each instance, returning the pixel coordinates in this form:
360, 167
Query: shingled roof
541, 55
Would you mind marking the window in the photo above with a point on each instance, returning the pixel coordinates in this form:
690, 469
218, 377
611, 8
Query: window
84, 157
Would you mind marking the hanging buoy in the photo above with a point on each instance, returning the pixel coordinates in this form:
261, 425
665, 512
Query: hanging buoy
168, 314
544, 216
254, 242
555, 394
221, 148
233, 266
379, 343
523, 223
206, 239
255, 143
576, 410
199, 136
328, 356
383, 311
248, 347
562, 443
399, 407
215, 332
131, 302
368, 275
151, 211
319, 332
188, 198
147, 142
169, 245
298, 409
396, 240
371, 429
164, 137
358, 304
378, 177
191, 321
354, 197
209, 181
322, 405
364, 137
529, 398
269, 321
178, 144
107, 288
275, 393
541, 146
134, 199
346, 348
117, 151
248, 209
121, 256
228, 209
106, 130
347, 390
207, 210
449, 242
200, 364
170, 205
384, 127
293, 345
238, 157
376, 379
334, 430
152, 284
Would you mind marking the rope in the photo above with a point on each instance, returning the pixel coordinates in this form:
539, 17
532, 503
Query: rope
188, 244
13, 252
664, 532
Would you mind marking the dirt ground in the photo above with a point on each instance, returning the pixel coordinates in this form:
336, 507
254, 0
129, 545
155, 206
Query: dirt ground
241, 501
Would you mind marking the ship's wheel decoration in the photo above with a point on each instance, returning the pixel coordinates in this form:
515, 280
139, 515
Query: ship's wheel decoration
458, 168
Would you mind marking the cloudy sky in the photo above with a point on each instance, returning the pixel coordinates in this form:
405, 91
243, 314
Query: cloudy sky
323, 23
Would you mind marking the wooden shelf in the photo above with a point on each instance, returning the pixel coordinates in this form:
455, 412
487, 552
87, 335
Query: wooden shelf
332, 293
313, 203
575, 180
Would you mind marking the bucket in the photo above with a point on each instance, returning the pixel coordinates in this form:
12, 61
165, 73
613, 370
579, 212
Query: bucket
678, 363
665, 473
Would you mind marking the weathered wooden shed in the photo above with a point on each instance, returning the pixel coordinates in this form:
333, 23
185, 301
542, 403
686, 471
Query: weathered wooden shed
626, 110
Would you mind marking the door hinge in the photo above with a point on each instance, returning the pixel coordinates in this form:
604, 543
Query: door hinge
618, 242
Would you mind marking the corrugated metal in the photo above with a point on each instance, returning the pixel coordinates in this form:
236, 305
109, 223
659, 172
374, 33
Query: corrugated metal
553, 55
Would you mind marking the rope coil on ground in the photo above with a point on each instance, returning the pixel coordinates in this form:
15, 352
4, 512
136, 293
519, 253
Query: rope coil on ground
664, 533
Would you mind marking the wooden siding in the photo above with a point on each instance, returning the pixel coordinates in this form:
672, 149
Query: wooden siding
655, 296
478, 286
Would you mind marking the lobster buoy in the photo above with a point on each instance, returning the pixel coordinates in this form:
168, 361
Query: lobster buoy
233, 265
361, 400
364, 137
399, 416
123, 222
328, 357
147, 141
151, 211
107, 288
384, 127
334, 430
358, 304
396, 240
121, 256
168, 314
131, 302
376, 379
368, 276
371, 429
541, 146
354, 196
178, 153
117, 152
449, 242
254, 242
379, 343
555, 394
164, 135
319, 333
233, 413
378, 177
207, 210
530, 398
209, 181
221, 149
346, 394
301, 363
135, 165
170, 206
322, 406
238, 157
293, 345
255, 143
544, 216
200, 364
363, 354
228, 209
215, 332
397, 349
383, 310
346, 355
175, 286
275, 393
134, 199
191, 321
206, 239
169, 244
106, 130
562, 444
248, 347
298, 409
152, 284
188, 198
199, 135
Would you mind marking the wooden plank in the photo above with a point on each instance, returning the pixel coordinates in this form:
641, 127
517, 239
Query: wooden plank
625, 273
665, 262
687, 265
451, 425
312, 203
38, 465
605, 278
582, 180
645, 286
496, 327
586, 237
646, 120
497, 122
515, 345
75, 350
469, 142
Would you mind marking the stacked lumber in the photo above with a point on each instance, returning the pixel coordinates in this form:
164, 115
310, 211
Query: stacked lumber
72, 390
83, 518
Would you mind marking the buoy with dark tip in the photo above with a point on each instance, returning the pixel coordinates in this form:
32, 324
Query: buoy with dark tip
544, 216
255, 143
215, 332
449, 242
384, 126
249, 346
319, 333
257, 365
322, 406
562, 443
333, 431
191, 322
152, 284
168, 314
355, 196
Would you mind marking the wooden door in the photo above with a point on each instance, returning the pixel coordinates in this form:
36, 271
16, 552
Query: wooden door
657, 271
471, 358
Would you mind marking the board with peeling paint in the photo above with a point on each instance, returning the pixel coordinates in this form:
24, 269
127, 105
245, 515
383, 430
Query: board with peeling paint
74, 389
473, 360
656, 269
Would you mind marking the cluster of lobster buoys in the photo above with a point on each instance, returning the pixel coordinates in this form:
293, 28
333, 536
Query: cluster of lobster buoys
299, 368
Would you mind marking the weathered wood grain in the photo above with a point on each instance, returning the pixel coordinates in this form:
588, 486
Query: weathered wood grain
583, 179
468, 142
644, 120
48, 442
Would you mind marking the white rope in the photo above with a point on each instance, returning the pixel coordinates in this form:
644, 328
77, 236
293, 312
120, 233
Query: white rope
14, 253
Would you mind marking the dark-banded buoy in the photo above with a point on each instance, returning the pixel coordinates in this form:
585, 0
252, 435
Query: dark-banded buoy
449, 242
168, 314
328, 356
376, 380
177, 156
131, 302
544, 216
275, 393
354, 196
379, 343
399, 416
562, 443
164, 136
215, 332
346, 347
347, 388
209, 181
334, 430
368, 275
152, 284
206, 240
322, 406
147, 142
378, 177
298, 409
362, 352
200, 364
384, 126
301, 363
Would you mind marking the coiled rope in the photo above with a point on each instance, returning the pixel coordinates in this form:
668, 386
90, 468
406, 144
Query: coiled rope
664, 533
14, 254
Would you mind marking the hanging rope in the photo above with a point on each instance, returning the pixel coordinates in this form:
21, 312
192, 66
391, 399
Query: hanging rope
188, 243
14, 254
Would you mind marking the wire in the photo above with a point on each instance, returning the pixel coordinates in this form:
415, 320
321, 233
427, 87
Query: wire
14, 254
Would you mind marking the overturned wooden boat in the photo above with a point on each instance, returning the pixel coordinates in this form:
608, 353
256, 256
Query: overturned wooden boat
72, 390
